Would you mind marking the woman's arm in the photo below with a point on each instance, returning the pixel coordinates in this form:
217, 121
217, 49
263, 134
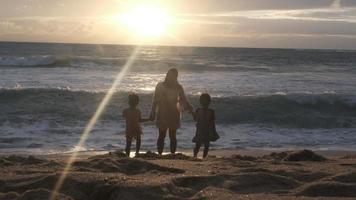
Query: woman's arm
154, 104
183, 101
212, 115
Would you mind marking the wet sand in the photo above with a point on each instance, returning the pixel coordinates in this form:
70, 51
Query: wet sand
226, 174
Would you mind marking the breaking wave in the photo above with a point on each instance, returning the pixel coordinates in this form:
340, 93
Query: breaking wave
291, 110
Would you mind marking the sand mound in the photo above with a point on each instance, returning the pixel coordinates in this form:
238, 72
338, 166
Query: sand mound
302, 176
352, 156
304, 155
9, 196
33, 161
139, 192
22, 185
115, 154
52, 164
136, 192
97, 189
257, 182
4, 162
42, 194
148, 155
123, 165
177, 156
152, 155
114, 176
329, 189
215, 193
260, 182
75, 185
19, 160
199, 182
244, 158
254, 169
345, 178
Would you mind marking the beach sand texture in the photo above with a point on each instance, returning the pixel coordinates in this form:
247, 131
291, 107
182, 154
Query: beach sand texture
282, 175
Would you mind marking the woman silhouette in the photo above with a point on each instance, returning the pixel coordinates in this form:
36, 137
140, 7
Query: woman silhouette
168, 100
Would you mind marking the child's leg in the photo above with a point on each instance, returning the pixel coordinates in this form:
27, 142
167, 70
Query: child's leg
128, 145
160, 140
196, 149
138, 144
206, 149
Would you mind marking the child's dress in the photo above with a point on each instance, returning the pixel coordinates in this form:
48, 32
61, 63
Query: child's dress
206, 131
133, 126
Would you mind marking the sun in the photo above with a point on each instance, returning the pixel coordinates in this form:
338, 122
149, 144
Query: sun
146, 21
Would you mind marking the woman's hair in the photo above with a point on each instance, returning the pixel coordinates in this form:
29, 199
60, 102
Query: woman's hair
171, 78
205, 99
133, 100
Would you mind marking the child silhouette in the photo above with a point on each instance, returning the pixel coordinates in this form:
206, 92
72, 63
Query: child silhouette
206, 131
132, 115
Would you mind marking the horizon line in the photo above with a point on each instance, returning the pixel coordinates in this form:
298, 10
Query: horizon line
180, 46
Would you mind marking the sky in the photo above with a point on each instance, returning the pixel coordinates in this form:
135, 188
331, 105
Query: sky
316, 24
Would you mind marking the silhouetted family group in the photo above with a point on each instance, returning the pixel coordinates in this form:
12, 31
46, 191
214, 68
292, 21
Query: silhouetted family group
168, 102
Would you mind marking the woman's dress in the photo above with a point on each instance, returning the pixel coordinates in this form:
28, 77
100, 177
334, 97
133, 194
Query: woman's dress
168, 103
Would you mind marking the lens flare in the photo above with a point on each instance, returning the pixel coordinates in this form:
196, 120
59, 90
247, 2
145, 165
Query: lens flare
93, 121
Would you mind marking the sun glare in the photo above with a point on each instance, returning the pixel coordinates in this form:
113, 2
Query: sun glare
146, 21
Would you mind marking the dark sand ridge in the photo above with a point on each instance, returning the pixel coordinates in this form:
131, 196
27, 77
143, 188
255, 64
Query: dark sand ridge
283, 175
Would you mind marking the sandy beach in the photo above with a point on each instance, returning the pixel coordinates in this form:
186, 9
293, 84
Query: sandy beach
225, 174
265, 90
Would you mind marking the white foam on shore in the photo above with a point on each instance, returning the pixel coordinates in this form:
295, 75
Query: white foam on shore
110, 136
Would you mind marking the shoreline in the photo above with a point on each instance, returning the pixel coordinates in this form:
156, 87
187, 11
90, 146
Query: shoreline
219, 153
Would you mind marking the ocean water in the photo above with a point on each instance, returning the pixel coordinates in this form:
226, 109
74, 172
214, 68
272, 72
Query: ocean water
263, 98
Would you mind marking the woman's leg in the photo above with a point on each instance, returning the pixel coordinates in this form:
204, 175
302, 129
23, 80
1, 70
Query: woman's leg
173, 140
160, 140
138, 144
196, 149
206, 149
128, 145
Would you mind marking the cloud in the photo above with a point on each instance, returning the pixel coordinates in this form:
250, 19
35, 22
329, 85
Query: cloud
48, 28
280, 35
274, 27
333, 13
336, 4
264, 23
9, 27
283, 41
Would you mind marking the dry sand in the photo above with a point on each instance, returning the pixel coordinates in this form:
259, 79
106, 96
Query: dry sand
237, 175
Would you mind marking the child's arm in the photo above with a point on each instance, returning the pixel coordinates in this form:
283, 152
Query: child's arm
195, 116
213, 115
